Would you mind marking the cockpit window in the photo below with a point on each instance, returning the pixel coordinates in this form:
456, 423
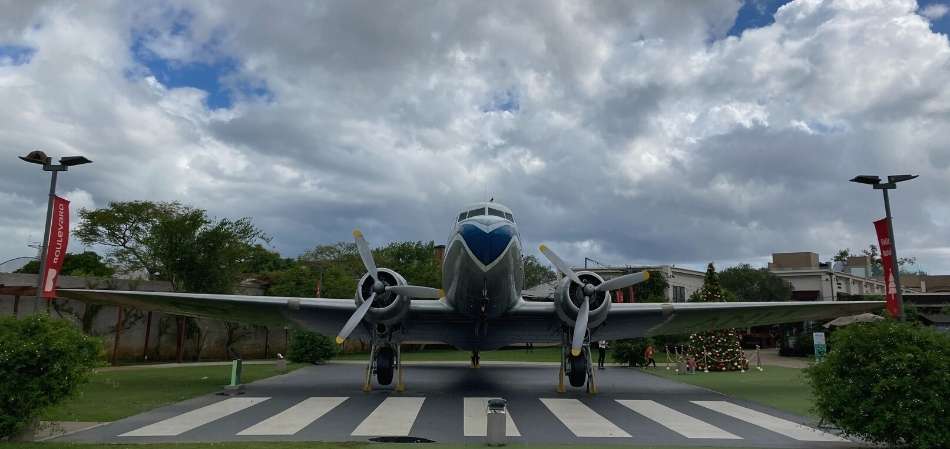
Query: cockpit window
462, 216
476, 212
509, 217
496, 212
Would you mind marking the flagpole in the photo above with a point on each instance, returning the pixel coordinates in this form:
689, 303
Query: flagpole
49, 219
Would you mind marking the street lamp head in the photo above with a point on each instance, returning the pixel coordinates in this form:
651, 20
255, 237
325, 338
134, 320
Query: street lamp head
899, 178
36, 157
867, 179
70, 161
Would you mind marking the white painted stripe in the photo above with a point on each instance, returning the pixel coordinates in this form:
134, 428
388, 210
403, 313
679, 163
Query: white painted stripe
680, 423
195, 418
581, 420
394, 417
294, 419
476, 419
778, 425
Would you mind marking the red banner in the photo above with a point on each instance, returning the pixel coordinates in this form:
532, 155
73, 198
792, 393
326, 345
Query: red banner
56, 249
887, 262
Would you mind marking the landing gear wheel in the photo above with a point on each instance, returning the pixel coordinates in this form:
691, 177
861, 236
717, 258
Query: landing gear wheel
578, 373
476, 359
385, 363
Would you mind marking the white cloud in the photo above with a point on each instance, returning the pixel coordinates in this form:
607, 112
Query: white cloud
935, 11
642, 133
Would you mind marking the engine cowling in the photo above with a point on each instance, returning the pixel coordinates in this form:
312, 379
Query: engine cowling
388, 308
569, 297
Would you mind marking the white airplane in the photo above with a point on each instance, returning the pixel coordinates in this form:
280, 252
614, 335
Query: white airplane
481, 307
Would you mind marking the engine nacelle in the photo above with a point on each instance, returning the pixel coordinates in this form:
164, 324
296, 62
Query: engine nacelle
569, 297
388, 308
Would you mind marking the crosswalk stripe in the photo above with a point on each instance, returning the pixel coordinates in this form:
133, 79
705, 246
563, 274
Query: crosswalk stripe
186, 421
394, 417
581, 420
476, 419
294, 419
778, 425
680, 423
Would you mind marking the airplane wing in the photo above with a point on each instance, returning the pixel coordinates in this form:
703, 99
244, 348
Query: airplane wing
323, 315
627, 320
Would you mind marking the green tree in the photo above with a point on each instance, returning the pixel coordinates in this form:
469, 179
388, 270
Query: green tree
126, 228
755, 284
536, 273
87, 263
263, 260
653, 289
339, 266
904, 264
173, 242
296, 281
415, 261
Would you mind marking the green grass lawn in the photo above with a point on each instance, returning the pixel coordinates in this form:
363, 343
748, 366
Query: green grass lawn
782, 388
538, 354
111, 395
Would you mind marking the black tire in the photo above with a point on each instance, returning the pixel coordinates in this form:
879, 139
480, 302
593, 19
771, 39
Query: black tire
385, 365
578, 374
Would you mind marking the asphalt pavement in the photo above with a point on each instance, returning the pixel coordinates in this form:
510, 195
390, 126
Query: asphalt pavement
446, 403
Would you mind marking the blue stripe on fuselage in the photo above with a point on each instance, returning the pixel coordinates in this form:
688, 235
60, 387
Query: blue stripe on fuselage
486, 246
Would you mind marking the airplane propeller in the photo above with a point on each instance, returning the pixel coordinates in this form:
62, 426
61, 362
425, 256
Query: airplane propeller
580, 324
379, 287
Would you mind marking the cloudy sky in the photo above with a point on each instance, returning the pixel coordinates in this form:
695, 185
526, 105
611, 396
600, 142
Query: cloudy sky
628, 132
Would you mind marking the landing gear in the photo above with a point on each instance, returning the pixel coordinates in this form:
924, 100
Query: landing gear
385, 365
476, 359
385, 360
578, 369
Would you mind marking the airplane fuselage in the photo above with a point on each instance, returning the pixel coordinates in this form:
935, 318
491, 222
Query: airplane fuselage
482, 270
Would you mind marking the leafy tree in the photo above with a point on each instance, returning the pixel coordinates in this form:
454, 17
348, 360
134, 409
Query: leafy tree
263, 260
87, 263
653, 289
296, 281
338, 266
173, 242
904, 264
536, 273
755, 284
126, 227
886, 382
415, 261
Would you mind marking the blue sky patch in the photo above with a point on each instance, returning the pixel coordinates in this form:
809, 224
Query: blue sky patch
755, 14
15, 54
940, 24
218, 75
504, 100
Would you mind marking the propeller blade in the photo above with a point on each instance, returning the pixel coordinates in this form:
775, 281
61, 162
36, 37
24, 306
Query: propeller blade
559, 264
580, 327
355, 319
623, 281
366, 255
415, 291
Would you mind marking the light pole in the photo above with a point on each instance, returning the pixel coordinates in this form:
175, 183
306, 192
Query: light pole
39, 157
891, 183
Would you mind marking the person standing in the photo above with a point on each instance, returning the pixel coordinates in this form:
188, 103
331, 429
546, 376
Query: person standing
648, 355
602, 353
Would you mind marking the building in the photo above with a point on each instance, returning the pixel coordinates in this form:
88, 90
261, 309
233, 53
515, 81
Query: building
816, 281
682, 283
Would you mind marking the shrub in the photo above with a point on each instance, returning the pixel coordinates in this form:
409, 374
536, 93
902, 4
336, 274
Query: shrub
42, 361
310, 347
886, 382
630, 351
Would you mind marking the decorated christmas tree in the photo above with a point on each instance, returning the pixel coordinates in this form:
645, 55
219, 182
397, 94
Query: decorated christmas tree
718, 350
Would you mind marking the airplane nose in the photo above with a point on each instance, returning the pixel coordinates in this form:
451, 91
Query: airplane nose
486, 245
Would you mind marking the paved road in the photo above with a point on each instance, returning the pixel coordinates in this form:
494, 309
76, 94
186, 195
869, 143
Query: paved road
447, 403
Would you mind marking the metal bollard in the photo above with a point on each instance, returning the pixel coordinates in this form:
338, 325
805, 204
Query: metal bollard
497, 422
236, 387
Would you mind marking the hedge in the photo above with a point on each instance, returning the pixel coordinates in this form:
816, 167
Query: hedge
310, 347
886, 382
42, 361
